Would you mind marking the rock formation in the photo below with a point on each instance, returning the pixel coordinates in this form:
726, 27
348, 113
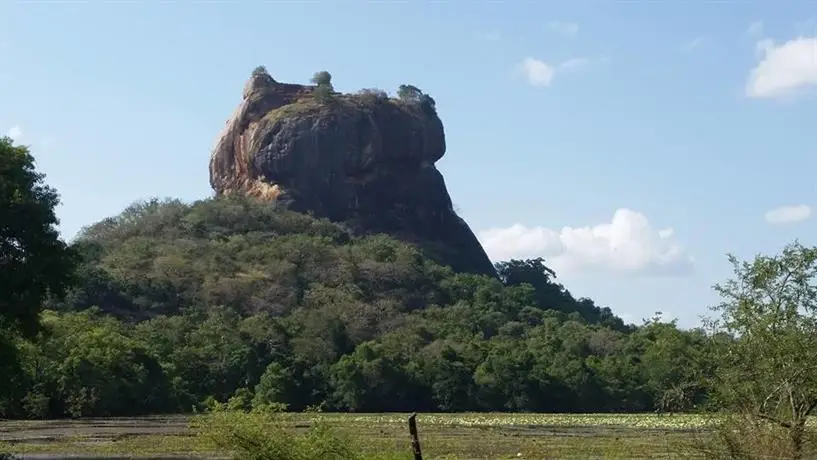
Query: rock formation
365, 160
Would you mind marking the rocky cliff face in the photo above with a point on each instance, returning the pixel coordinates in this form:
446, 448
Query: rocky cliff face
365, 160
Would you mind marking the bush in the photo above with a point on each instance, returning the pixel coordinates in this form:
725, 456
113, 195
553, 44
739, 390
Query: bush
241, 400
322, 78
36, 405
413, 94
260, 70
744, 437
323, 93
370, 95
409, 93
211, 404
264, 435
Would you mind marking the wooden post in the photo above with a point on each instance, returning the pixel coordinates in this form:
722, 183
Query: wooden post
415, 440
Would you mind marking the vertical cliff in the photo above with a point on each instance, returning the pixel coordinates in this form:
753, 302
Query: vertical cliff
365, 159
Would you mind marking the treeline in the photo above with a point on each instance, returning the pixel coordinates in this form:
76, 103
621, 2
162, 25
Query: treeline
175, 306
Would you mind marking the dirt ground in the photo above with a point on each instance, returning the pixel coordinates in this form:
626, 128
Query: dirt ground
42, 435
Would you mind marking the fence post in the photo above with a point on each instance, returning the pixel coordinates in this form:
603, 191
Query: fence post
415, 440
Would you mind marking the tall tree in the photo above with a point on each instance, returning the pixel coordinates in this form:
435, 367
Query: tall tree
34, 262
769, 372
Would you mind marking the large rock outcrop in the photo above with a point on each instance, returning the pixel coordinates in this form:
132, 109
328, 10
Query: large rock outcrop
365, 160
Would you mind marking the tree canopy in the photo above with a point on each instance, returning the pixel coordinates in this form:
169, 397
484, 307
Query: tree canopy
34, 261
322, 78
235, 297
770, 371
174, 305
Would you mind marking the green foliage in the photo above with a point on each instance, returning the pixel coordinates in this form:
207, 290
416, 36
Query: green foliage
34, 261
89, 366
741, 436
322, 78
553, 295
372, 95
34, 264
265, 435
275, 386
235, 300
323, 93
409, 93
241, 400
260, 70
413, 95
770, 371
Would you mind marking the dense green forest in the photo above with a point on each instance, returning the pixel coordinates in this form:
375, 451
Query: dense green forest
172, 307
177, 303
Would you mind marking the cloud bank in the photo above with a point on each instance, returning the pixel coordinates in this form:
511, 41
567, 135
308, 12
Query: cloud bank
627, 244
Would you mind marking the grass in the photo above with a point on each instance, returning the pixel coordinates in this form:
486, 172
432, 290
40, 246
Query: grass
443, 436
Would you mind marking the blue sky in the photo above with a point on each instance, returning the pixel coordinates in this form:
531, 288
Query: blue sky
632, 144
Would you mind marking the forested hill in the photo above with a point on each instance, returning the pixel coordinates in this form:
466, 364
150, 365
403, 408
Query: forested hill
233, 298
255, 257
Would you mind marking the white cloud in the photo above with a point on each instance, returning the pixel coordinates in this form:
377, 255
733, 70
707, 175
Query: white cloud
788, 214
692, 44
538, 73
783, 70
566, 28
626, 244
574, 64
755, 28
541, 73
15, 133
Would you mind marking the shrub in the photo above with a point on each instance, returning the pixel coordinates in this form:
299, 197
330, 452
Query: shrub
369, 95
241, 400
36, 405
260, 70
322, 78
211, 404
413, 94
323, 93
264, 435
744, 437
409, 93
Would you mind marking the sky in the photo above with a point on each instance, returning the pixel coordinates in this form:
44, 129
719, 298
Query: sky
630, 144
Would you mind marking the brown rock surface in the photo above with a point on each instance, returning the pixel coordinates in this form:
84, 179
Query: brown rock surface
364, 160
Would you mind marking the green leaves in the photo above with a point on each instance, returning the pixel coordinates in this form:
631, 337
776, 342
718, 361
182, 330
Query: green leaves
770, 306
34, 262
234, 299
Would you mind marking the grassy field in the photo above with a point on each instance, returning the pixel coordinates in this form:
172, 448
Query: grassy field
443, 436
